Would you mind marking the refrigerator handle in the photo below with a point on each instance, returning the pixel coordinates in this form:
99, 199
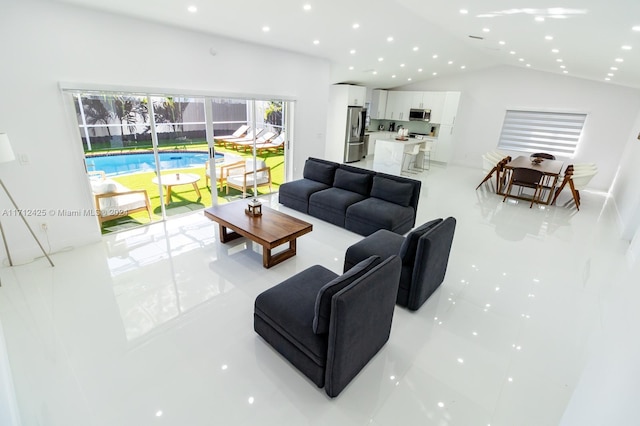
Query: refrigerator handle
360, 126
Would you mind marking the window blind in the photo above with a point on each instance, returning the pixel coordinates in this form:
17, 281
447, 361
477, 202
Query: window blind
556, 133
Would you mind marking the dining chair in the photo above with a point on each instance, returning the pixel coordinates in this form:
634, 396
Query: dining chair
525, 178
544, 155
577, 176
494, 162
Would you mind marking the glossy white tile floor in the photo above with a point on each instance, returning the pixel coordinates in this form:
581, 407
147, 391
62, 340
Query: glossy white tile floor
154, 326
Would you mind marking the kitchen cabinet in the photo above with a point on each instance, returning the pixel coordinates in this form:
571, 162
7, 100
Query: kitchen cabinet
450, 108
378, 104
418, 100
442, 149
443, 105
356, 95
398, 105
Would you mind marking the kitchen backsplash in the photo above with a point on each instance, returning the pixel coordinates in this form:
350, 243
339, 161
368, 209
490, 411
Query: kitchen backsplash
413, 126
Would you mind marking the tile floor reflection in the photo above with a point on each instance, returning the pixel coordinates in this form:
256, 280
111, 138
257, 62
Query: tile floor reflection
154, 325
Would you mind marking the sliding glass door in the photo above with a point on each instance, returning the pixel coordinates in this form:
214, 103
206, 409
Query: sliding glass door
148, 157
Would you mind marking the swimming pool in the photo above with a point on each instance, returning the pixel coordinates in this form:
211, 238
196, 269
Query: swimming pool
132, 163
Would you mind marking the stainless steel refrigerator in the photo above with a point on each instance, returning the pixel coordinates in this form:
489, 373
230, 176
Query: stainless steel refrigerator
354, 148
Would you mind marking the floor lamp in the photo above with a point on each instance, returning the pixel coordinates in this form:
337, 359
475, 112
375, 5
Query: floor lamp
6, 155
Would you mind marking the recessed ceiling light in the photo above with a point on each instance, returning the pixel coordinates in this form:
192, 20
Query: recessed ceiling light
610, 74
548, 37
555, 50
626, 47
415, 48
521, 59
419, 69
389, 39
513, 52
565, 72
450, 62
266, 29
380, 59
528, 65
464, 11
316, 42
352, 51
562, 66
502, 43
435, 73
614, 68
607, 79
435, 56
401, 65
393, 76
636, 28
539, 18
558, 60
486, 30
351, 68
356, 26
463, 67
409, 79
375, 72
619, 60
307, 7
192, 9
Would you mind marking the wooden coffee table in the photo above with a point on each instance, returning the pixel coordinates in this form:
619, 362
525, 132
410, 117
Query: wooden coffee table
270, 230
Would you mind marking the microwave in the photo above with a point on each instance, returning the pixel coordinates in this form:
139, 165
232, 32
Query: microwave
416, 114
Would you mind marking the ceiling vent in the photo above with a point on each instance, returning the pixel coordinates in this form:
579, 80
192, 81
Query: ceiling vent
476, 37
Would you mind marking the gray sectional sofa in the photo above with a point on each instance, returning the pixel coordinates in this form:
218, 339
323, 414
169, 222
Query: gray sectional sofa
360, 200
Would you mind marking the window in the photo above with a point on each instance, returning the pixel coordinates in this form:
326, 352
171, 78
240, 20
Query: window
556, 133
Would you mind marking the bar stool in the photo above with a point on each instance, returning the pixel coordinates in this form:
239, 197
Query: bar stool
426, 155
413, 154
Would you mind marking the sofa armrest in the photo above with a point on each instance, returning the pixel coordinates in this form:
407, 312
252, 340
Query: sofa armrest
360, 324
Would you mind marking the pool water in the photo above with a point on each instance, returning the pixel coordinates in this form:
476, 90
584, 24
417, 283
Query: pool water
132, 163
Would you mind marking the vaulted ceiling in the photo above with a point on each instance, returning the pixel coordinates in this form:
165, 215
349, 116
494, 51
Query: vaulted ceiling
388, 43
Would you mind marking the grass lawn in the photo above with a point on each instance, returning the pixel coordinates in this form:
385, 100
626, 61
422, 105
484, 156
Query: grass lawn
184, 197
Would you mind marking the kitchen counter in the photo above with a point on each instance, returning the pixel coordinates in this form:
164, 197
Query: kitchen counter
389, 154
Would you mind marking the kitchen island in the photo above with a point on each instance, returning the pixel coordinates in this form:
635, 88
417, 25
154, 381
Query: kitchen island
389, 154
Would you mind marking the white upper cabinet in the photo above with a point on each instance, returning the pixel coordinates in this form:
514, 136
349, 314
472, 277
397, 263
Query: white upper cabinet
417, 100
443, 106
378, 104
398, 105
357, 95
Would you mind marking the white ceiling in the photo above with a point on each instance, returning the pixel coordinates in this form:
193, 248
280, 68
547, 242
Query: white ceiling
589, 34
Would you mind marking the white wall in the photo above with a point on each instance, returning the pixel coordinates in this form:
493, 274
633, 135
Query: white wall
625, 189
43, 43
486, 94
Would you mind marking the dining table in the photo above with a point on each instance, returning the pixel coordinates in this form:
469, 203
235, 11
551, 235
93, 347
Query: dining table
551, 170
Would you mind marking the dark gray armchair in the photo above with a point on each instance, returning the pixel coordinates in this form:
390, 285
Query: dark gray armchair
424, 254
330, 326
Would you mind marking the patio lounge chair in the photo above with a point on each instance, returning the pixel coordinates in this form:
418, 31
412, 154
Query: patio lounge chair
114, 200
275, 144
240, 132
248, 137
264, 138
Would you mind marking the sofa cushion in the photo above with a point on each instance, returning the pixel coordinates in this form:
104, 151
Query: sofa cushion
296, 194
289, 308
371, 214
323, 299
352, 181
331, 204
320, 172
392, 190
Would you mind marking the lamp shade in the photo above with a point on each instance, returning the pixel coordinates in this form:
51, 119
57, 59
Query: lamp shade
6, 153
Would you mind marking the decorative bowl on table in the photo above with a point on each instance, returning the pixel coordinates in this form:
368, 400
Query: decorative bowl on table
536, 160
